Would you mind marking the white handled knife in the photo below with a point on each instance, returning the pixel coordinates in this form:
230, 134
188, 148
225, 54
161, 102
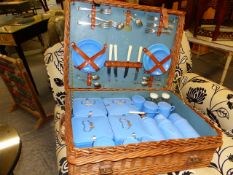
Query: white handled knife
139, 60
110, 59
128, 59
115, 59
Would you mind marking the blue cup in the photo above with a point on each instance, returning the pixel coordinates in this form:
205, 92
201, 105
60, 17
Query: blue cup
150, 108
103, 141
168, 129
183, 126
138, 101
165, 108
130, 140
152, 129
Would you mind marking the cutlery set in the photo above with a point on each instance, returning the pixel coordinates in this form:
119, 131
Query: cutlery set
132, 19
114, 51
151, 27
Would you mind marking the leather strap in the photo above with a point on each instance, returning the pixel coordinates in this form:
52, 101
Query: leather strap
128, 17
165, 17
88, 60
93, 14
163, 21
158, 64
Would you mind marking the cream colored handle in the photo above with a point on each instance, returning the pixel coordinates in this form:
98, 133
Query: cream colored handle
137, 112
115, 52
140, 54
110, 52
129, 52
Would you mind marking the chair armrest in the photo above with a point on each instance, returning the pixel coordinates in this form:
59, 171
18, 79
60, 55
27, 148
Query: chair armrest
213, 99
59, 119
54, 63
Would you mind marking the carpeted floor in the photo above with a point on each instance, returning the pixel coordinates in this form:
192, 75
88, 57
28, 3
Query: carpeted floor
38, 146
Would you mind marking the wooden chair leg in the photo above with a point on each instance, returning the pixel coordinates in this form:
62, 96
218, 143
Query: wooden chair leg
221, 9
202, 6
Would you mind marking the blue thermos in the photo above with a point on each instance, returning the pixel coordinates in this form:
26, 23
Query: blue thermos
183, 126
152, 129
167, 128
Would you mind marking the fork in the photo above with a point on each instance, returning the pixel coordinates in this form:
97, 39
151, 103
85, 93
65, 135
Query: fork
152, 25
114, 23
155, 18
100, 19
154, 31
106, 11
103, 25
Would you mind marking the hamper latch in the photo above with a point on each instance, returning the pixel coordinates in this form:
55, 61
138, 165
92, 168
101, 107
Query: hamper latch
106, 169
194, 159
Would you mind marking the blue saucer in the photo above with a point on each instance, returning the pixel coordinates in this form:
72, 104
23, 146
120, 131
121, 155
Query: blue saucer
160, 51
90, 48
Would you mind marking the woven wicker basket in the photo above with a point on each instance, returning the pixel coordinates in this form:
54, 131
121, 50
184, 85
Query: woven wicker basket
143, 158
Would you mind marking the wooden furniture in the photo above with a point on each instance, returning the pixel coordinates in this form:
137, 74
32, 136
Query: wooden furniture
15, 7
20, 6
21, 89
226, 46
14, 33
10, 149
222, 7
168, 3
44, 5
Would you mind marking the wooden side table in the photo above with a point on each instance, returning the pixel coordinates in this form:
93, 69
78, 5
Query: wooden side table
14, 35
217, 45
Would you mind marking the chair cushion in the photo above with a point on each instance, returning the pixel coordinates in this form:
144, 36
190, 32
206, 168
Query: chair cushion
53, 58
212, 99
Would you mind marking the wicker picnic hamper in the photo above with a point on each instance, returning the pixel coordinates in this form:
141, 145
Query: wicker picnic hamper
143, 158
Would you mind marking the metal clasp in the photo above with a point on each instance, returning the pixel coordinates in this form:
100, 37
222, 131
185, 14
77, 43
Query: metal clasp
105, 170
194, 159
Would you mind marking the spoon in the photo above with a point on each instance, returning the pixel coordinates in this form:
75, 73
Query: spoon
137, 21
144, 83
97, 85
145, 78
95, 77
118, 26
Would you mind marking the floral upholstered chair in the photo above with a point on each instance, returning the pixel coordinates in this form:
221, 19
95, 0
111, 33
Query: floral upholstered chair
212, 99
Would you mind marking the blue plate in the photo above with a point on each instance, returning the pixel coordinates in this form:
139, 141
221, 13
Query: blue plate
90, 48
160, 51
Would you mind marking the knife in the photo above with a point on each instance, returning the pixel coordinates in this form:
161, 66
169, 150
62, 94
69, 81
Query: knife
139, 60
115, 58
110, 59
128, 59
